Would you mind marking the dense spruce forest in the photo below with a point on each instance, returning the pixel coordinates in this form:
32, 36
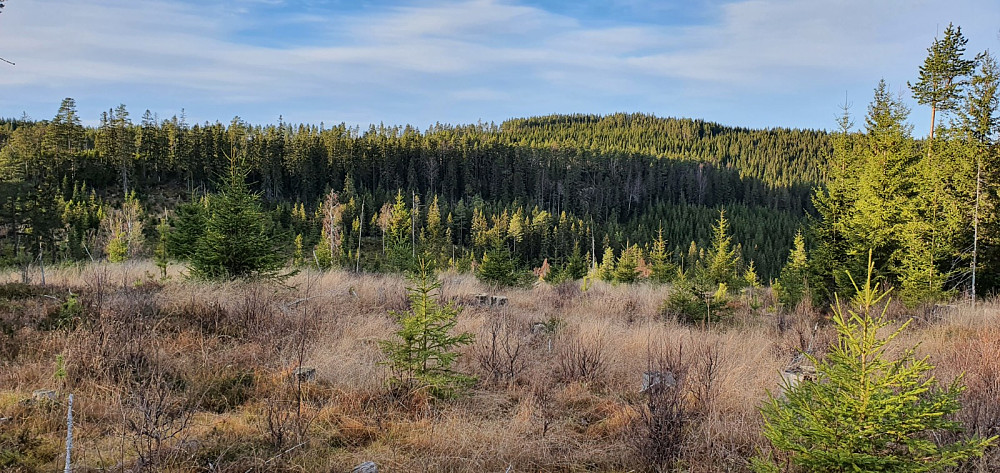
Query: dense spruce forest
622, 197
544, 185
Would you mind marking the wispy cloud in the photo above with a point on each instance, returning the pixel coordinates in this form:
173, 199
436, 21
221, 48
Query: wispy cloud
458, 58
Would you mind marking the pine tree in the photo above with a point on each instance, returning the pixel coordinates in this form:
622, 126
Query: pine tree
866, 411
942, 75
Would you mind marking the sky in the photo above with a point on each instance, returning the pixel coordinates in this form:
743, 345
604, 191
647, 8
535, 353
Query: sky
750, 63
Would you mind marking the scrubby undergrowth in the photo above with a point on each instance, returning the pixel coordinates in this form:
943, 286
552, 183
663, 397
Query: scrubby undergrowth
193, 376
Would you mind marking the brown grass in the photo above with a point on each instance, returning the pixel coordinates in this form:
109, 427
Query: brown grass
560, 371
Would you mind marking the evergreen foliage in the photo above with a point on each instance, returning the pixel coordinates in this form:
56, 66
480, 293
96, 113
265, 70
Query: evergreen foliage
662, 269
187, 227
723, 259
543, 186
866, 411
925, 209
500, 268
236, 243
423, 354
794, 279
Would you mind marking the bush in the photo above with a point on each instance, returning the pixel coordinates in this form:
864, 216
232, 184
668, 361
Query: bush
692, 305
500, 268
864, 412
228, 391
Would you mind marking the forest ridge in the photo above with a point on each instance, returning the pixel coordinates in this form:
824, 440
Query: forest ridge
618, 178
551, 192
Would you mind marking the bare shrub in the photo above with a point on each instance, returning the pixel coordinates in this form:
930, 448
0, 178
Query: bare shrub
116, 343
659, 433
500, 350
543, 397
277, 422
703, 381
979, 360
564, 293
156, 407
580, 359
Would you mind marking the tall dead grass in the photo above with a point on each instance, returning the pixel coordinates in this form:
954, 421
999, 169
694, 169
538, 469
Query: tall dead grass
560, 373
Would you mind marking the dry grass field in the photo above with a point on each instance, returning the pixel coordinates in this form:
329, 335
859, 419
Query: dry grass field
176, 375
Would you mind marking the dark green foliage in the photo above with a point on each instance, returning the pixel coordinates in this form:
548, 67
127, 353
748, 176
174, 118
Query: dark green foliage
500, 267
943, 74
160, 255
866, 411
187, 228
574, 269
236, 243
925, 209
560, 180
423, 353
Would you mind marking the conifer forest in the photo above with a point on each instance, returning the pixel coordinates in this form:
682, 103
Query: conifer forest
569, 292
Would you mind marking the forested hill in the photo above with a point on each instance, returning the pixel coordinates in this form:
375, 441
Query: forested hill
617, 178
778, 157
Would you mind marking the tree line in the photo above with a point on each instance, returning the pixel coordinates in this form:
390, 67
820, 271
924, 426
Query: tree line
554, 193
543, 191
927, 209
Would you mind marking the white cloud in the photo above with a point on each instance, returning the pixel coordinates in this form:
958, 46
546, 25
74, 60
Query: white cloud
466, 51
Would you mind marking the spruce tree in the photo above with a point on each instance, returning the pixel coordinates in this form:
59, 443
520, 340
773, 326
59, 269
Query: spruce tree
236, 243
627, 268
187, 227
662, 269
500, 268
723, 258
399, 245
606, 270
885, 191
834, 204
865, 410
794, 279
424, 351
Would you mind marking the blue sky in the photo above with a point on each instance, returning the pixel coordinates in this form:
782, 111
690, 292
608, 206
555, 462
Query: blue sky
754, 63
